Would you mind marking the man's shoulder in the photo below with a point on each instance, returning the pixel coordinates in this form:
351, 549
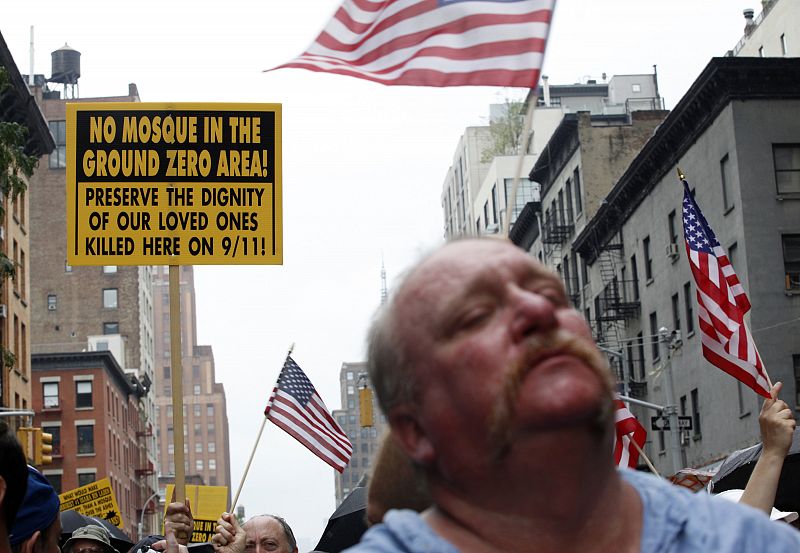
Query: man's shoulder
701, 522
402, 531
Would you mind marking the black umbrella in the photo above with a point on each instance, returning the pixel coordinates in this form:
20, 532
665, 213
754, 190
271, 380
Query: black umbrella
347, 523
735, 472
72, 520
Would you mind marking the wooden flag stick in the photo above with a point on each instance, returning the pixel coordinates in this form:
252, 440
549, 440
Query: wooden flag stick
253, 453
177, 380
644, 455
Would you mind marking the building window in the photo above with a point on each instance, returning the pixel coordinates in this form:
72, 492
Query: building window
350, 390
198, 447
58, 157
110, 298
50, 395
169, 411
636, 87
791, 260
198, 464
525, 194
198, 429
196, 371
83, 393
662, 446
109, 269
212, 464
654, 336
676, 312
689, 307
696, 413
196, 389
673, 234
648, 261
209, 410
640, 338
494, 204
212, 447
349, 375
171, 449
111, 328
86, 478
85, 438
576, 179
55, 432
725, 177
166, 372
52, 302
197, 409
635, 277
796, 363
54, 479
787, 167
351, 404
211, 428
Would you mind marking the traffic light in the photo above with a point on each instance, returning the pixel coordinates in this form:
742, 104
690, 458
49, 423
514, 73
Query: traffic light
25, 435
44, 447
37, 445
365, 406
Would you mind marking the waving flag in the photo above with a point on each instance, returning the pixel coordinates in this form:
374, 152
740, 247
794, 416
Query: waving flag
434, 42
628, 429
296, 407
722, 302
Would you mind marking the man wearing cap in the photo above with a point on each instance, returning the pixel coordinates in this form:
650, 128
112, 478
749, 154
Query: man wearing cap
89, 539
37, 527
12, 482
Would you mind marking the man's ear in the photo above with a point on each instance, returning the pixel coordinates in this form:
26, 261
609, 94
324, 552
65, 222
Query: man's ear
411, 436
28, 546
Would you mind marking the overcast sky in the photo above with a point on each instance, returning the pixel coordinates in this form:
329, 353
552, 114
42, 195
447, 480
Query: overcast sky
363, 167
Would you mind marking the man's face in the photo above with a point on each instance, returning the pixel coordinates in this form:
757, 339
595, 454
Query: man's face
86, 546
265, 534
484, 328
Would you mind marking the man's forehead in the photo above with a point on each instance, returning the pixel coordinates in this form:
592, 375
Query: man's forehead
263, 524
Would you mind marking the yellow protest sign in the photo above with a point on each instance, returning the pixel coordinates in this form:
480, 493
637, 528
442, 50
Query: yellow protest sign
174, 184
93, 500
207, 503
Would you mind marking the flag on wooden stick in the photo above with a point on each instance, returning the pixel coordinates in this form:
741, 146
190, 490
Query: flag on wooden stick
296, 407
434, 42
722, 302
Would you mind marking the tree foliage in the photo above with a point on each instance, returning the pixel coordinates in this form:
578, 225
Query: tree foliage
506, 132
15, 167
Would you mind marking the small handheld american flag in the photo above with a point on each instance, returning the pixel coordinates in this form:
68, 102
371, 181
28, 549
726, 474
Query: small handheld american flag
296, 407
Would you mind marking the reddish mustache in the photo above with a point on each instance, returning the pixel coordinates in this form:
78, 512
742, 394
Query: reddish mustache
539, 348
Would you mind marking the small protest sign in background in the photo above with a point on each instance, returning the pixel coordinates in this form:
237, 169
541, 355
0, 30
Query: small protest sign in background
207, 503
93, 500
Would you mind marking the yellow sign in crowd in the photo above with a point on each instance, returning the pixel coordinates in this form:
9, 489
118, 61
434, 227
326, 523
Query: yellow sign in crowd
93, 500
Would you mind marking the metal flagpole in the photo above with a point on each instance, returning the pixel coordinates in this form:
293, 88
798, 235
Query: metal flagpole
253, 453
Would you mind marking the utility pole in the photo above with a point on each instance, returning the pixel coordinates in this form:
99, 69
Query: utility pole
667, 339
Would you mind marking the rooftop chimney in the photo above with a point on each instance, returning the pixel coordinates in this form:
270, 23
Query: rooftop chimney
749, 24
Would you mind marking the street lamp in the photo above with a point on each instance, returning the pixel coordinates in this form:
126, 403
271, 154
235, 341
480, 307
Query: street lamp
144, 508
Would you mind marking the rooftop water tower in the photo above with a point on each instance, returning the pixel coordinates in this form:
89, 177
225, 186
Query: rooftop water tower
66, 69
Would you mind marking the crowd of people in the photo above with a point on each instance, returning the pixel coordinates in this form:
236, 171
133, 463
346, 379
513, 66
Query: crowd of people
501, 417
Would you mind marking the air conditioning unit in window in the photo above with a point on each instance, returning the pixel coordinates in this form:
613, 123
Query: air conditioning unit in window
3, 310
672, 250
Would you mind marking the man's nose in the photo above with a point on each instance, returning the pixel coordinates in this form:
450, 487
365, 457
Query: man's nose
533, 312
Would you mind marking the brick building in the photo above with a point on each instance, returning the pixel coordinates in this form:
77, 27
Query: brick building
91, 407
16, 107
78, 308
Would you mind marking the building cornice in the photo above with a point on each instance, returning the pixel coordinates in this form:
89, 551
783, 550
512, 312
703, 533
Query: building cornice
722, 81
66, 361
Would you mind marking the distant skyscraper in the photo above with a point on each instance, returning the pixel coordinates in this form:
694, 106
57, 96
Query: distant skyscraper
365, 440
205, 416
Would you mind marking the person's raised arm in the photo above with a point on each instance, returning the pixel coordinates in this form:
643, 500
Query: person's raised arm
777, 428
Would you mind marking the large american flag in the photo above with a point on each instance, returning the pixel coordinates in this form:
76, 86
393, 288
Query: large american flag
722, 302
628, 429
296, 407
434, 42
